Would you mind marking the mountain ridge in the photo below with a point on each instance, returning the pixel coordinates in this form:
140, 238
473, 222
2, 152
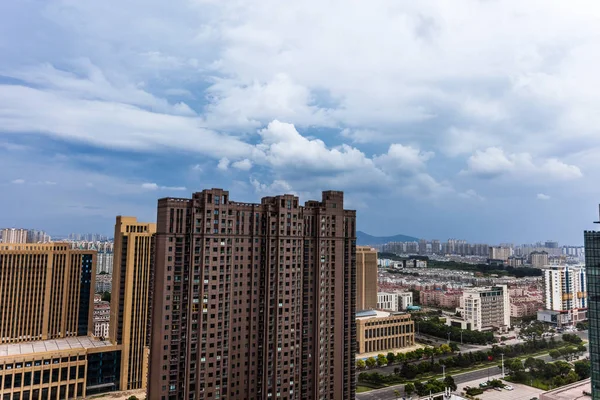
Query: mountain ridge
364, 239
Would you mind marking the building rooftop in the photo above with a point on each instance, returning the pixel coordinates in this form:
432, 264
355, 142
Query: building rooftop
569, 392
367, 314
43, 346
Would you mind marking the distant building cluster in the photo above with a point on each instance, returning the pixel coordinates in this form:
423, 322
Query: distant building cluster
103, 283
101, 317
14, 235
105, 253
88, 237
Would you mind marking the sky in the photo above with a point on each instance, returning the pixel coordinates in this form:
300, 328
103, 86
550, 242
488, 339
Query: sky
477, 120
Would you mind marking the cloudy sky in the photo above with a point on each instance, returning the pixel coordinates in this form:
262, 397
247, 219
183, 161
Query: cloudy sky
467, 119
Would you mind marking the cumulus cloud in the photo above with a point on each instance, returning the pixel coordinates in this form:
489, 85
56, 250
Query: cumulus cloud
542, 196
243, 165
494, 162
223, 164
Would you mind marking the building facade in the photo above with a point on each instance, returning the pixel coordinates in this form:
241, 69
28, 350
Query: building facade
381, 331
394, 301
131, 297
366, 278
538, 259
565, 291
486, 308
13, 235
254, 301
592, 266
48, 350
101, 318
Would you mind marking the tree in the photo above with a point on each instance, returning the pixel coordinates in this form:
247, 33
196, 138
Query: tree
400, 357
371, 362
360, 364
381, 360
409, 389
106, 296
530, 363
390, 358
449, 383
582, 369
397, 394
445, 349
132, 398
555, 354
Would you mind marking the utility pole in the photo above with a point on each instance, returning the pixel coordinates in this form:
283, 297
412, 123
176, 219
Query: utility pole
502, 365
461, 341
448, 337
443, 372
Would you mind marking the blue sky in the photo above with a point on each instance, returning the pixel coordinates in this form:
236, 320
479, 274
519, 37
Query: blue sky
467, 119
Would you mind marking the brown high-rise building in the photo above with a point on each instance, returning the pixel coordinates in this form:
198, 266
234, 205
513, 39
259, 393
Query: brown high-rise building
130, 300
254, 301
45, 292
366, 278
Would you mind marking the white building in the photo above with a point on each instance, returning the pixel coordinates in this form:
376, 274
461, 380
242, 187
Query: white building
500, 252
394, 301
12, 235
101, 328
565, 292
484, 308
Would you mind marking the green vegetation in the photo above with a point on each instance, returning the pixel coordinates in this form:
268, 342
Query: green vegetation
106, 296
433, 327
537, 373
583, 326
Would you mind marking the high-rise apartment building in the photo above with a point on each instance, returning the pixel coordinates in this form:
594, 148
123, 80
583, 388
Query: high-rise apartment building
592, 266
500, 253
130, 299
565, 292
254, 301
12, 235
538, 259
366, 278
47, 348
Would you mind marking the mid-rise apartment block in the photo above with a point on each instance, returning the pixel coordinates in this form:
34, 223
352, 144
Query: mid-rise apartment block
500, 253
254, 301
366, 278
592, 267
538, 259
483, 308
565, 293
383, 331
13, 235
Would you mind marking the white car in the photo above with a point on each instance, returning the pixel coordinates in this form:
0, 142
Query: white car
508, 387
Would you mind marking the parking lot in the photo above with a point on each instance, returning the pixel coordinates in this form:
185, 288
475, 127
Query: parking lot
520, 392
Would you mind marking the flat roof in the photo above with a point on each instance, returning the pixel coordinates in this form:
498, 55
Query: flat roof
43, 346
368, 314
569, 392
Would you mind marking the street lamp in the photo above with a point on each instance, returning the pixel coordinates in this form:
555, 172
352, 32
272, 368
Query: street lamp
443, 372
502, 354
461, 341
448, 337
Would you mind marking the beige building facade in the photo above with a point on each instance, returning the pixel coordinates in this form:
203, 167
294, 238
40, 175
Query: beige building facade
366, 278
381, 331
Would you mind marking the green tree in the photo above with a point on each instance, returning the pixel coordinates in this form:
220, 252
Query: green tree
400, 357
106, 296
582, 368
397, 394
555, 354
445, 349
381, 360
132, 398
409, 388
449, 383
360, 364
390, 358
371, 362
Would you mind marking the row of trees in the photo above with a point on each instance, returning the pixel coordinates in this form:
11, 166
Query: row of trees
418, 354
410, 370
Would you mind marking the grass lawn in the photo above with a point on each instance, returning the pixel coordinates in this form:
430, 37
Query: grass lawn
362, 389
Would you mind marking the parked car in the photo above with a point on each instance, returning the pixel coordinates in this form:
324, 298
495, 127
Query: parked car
508, 387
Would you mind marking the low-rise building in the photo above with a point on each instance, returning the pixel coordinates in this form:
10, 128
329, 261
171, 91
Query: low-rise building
399, 301
383, 331
103, 283
440, 298
101, 318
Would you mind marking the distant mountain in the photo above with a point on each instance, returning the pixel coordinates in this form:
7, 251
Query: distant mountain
364, 239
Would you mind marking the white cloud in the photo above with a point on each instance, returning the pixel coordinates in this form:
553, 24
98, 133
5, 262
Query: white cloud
197, 167
405, 158
154, 186
244, 165
494, 162
223, 164
471, 194
18, 181
276, 187
542, 196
